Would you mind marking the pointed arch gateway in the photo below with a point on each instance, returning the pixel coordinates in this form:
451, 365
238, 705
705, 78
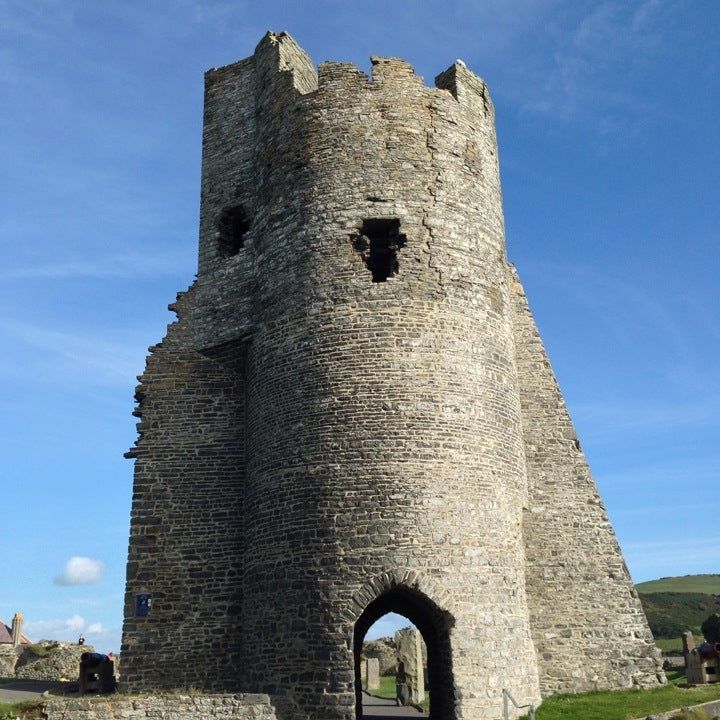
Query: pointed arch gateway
427, 606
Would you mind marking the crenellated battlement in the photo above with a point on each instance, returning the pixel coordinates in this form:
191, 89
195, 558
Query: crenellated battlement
273, 126
281, 66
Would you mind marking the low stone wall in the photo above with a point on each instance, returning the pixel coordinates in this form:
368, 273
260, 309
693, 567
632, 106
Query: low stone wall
161, 707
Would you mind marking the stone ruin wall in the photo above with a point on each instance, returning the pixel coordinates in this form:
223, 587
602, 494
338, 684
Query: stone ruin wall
161, 707
589, 628
310, 439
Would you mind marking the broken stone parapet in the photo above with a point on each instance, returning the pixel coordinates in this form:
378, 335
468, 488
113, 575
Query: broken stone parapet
50, 661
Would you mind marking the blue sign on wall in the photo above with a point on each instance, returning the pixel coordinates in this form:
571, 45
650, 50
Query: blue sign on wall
142, 605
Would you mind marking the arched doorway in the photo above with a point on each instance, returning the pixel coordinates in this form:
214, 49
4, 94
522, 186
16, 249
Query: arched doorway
434, 625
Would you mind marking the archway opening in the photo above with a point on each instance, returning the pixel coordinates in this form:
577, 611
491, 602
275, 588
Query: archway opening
434, 625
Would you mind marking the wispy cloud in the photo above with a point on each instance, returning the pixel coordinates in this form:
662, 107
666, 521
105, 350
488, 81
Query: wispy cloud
218, 16
628, 309
39, 19
93, 358
605, 419
594, 64
663, 510
50, 629
689, 472
137, 266
692, 554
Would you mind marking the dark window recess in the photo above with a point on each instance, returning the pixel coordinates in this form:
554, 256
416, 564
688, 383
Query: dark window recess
378, 243
233, 226
143, 604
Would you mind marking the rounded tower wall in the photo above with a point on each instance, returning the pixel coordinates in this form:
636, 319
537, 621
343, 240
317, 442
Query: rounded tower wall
383, 420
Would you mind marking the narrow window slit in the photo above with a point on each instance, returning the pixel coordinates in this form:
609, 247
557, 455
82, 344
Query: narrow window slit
378, 242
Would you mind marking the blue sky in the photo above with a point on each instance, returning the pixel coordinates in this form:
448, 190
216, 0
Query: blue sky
607, 118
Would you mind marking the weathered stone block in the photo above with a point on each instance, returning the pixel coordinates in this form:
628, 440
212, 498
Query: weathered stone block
408, 642
372, 673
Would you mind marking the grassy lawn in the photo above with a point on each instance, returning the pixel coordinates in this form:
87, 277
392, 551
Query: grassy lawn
626, 704
709, 584
41, 651
671, 644
616, 705
387, 687
28, 710
387, 690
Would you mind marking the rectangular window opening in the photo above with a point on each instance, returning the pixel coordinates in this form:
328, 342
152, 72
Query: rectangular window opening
378, 242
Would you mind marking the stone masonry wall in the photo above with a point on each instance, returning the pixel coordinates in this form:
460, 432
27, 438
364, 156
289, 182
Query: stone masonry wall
383, 426
186, 525
312, 440
162, 707
588, 625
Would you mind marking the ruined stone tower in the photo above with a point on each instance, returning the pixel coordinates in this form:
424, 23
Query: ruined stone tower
354, 413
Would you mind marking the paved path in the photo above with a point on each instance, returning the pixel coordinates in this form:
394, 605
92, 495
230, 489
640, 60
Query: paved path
381, 708
12, 691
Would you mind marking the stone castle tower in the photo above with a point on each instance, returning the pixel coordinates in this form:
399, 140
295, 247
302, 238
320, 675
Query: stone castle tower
354, 414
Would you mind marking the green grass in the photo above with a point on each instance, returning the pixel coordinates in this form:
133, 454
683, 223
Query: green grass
42, 651
707, 584
615, 705
674, 644
28, 710
387, 687
39, 650
387, 690
626, 704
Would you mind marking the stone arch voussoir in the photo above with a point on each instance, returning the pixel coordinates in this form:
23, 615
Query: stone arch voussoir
413, 580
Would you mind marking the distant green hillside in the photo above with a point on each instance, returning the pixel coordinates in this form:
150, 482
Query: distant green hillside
707, 584
671, 613
676, 604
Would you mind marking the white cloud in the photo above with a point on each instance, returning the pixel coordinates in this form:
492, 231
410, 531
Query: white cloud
55, 629
80, 571
68, 630
76, 622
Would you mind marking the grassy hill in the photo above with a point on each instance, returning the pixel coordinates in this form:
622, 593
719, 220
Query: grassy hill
707, 584
675, 604
669, 614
